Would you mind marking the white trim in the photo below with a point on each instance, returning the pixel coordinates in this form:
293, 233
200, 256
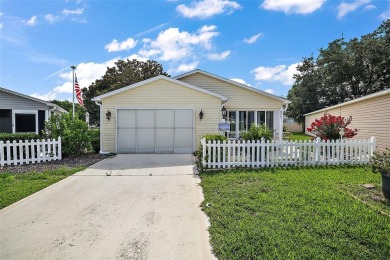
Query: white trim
374, 95
155, 108
283, 100
31, 112
161, 77
60, 109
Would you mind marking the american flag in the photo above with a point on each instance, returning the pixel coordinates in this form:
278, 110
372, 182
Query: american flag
79, 94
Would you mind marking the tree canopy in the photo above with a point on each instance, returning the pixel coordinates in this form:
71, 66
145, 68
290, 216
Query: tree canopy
65, 104
343, 71
124, 73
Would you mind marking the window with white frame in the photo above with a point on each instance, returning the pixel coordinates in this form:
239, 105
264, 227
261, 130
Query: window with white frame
242, 120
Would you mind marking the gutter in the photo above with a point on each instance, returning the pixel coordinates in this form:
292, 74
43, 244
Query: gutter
101, 129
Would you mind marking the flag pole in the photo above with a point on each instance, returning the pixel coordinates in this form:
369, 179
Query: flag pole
73, 68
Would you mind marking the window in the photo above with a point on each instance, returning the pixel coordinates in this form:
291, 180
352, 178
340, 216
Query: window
5, 121
270, 119
25, 123
246, 119
232, 120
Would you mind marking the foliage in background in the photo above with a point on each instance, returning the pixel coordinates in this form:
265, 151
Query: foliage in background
65, 104
18, 136
124, 73
343, 71
328, 127
94, 134
257, 132
74, 133
215, 137
380, 162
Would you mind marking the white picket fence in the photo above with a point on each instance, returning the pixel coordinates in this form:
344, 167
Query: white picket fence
235, 153
34, 151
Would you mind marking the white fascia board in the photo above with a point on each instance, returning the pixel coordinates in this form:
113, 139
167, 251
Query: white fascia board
283, 100
144, 82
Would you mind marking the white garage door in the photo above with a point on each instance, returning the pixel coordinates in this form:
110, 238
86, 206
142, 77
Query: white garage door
155, 130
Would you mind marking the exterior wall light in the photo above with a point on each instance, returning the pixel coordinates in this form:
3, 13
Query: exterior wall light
223, 112
201, 114
108, 115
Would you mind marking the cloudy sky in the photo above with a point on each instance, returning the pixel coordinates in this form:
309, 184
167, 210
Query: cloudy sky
256, 42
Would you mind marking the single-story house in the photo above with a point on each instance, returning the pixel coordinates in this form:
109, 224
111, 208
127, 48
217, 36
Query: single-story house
22, 113
370, 115
170, 115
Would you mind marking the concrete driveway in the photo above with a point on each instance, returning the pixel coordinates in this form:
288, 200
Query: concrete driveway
125, 207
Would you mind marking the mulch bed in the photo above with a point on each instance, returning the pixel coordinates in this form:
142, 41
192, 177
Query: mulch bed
68, 162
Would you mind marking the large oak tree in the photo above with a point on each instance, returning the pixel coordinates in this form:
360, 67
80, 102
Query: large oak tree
124, 73
343, 71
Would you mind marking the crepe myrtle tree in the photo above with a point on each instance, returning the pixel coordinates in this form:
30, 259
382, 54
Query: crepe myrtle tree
330, 127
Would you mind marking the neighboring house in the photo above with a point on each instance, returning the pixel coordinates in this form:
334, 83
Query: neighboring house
291, 125
22, 113
170, 115
370, 115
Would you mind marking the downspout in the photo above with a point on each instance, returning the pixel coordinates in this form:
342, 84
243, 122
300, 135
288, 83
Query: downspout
101, 128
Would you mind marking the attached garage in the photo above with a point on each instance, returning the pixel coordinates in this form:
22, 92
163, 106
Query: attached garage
155, 130
170, 115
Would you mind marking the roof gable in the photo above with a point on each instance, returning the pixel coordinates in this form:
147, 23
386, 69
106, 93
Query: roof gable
160, 77
283, 100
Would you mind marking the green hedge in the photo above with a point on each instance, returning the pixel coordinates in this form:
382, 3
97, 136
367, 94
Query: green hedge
18, 136
94, 134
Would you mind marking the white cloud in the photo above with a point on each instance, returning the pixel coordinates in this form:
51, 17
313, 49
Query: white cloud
252, 39
86, 73
270, 91
171, 44
293, 6
240, 81
219, 56
78, 11
187, 67
278, 73
32, 21
385, 15
136, 57
1, 26
51, 18
344, 8
121, 46
369, 7
207, 8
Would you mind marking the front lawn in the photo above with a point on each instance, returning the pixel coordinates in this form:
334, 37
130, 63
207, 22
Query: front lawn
311, 213
16, 186
296, 136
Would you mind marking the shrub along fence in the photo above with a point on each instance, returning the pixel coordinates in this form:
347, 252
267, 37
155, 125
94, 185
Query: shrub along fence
34, 151
236, 153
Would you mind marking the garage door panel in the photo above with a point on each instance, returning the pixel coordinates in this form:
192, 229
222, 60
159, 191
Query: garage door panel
165, 118
127, 139
146, 118
184, 118
145, 141
126, 118
164, 140
155, 131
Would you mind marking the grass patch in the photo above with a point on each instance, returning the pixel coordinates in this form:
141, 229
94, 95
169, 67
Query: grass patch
295, 136
300, 213
14, 187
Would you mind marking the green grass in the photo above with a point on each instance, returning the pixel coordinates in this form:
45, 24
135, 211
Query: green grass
295, 136
305, 213
14, 187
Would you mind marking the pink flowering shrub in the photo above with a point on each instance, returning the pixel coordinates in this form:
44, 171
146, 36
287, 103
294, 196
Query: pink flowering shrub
328, 127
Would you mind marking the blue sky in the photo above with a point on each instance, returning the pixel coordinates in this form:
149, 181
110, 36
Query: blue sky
258, 42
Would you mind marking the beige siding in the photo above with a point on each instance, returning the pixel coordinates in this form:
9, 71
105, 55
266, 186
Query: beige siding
371, 117
239, 98
162, 94
294, 127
